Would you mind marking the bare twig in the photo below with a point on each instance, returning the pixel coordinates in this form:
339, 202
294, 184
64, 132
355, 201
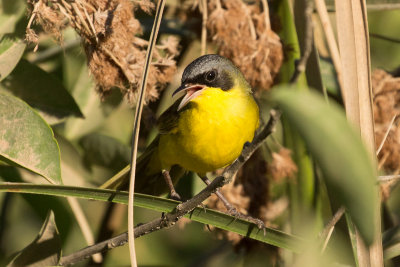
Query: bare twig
383, 37
252, 28
34, 11
31, 19
91, 24
266, 15
308, 45
117, 62
81, 18
327, 232
388, 178
136, 127
171, 218
386, 134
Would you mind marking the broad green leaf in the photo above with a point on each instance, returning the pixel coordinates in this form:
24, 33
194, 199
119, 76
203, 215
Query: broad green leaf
41, 91
391, 242
26, 139
105, 151
337, 149
45, 250
200, 214
11, 51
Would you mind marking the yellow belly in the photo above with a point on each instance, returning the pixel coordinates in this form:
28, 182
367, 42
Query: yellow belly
211, 132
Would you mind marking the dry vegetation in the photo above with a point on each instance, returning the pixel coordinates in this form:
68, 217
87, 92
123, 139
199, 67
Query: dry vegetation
110, 35
112, 39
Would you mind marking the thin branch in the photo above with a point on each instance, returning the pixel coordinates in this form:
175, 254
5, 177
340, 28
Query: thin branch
31, 19
266, 15
385, 38
136, 127
305, 54
81, 18
171, 218
327, 232
52, 51
386, 134
252, 28
388, 178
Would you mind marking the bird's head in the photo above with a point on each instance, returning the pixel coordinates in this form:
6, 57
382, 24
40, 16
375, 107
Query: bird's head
210, 71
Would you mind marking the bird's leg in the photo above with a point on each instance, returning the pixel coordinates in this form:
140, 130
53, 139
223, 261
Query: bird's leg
168, 180
232, 210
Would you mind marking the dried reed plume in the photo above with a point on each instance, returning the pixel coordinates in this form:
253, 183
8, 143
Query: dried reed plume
386, 89
242, 33
109, 33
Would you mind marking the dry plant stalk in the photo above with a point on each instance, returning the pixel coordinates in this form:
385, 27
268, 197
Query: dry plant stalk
242, 33
353, 39
386, 90
109, 33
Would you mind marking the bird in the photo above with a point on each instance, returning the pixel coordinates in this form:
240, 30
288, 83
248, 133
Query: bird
204, 130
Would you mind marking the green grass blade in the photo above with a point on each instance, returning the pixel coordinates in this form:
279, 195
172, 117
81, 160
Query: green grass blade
206, 216
338, 150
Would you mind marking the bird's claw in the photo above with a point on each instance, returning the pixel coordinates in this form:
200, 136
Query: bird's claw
175, 196
260, 224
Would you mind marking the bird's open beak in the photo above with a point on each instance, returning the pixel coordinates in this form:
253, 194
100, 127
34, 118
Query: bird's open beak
192, 90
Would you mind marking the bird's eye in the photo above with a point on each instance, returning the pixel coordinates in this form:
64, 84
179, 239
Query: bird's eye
211, 75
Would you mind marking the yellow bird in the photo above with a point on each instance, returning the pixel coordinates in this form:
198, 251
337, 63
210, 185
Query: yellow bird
202, 131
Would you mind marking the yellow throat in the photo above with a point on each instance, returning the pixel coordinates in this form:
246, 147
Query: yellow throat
211, 130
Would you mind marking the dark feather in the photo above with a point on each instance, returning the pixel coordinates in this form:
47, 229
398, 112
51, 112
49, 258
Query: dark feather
168, 121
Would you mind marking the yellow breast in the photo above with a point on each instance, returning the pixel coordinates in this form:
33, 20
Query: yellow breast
211, 131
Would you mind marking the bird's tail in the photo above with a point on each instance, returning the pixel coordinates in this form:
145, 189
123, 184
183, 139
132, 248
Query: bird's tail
149, 178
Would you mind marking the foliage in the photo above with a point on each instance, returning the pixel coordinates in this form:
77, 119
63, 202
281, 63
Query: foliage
69, 76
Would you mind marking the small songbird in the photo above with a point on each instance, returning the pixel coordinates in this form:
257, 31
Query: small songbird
202, 131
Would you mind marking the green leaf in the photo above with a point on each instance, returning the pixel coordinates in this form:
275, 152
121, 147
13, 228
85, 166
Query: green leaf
26, 139
329, 76
203, 215
11, 51
391, 242
105, 151
338, 150
41, 91
45, 250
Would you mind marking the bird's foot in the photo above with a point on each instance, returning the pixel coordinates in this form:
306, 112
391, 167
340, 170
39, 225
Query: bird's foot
175, 196
238, 215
